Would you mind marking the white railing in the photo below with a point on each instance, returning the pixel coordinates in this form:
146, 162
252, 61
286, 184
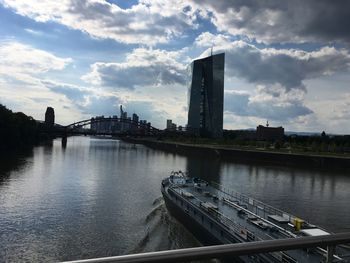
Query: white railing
234, 250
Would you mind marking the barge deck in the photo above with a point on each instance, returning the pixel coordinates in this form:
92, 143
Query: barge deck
220, 216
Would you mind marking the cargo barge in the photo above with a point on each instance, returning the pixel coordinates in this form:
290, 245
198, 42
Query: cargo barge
218, 216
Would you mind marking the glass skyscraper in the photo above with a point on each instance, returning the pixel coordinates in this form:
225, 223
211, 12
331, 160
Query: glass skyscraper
206, 96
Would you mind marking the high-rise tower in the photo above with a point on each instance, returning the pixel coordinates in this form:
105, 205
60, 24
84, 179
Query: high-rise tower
50, 116
206, 96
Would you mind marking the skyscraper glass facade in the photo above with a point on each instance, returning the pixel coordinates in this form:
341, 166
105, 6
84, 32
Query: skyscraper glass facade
206, 96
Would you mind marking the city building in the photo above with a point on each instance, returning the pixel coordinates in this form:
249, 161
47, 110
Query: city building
127, 124
123, 116
50, 116
269, 133
170, 126
123, 124
115, 125
99, 124
206, 96
135, 122
143, 125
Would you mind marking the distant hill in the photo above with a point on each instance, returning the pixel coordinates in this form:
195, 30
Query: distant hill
288, 133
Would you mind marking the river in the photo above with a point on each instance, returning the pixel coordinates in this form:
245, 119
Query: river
101, 197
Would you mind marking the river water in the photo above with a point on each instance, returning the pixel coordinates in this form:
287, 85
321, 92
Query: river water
101, 197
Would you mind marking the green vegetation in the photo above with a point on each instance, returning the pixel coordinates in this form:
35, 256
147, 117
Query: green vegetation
16, 129
309, 145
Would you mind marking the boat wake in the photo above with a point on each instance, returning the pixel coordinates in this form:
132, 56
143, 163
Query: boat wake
163, 232
158, 200
156, 212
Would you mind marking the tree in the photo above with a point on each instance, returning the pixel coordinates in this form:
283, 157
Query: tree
16, 129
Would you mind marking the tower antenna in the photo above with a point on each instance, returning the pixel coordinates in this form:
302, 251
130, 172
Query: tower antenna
211, 52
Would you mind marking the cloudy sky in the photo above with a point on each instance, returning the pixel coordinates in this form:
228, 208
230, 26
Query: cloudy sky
287, 61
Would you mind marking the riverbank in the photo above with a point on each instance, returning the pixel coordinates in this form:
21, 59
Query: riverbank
19, 132
248, 156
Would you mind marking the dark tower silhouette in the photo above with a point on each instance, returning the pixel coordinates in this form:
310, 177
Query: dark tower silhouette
121, 112
206, 96
50, 116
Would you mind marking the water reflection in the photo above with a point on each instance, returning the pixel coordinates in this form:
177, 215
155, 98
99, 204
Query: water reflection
13, 161
316, 196
64, 142
207, 169
101, 197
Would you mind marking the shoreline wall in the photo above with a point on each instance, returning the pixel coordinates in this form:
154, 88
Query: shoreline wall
248, 156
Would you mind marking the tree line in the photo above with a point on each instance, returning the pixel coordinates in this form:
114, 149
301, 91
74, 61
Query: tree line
247, 139
17, 129
322, 143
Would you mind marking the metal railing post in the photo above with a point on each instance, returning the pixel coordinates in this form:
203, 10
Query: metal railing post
330, 253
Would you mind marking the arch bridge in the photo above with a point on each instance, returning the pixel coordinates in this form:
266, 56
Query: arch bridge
132, 127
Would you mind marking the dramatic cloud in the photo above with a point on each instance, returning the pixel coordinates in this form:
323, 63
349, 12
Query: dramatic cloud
100, 105
236, 102
343, 110
148, 22
74, 93
23, 62
269, 66
273, 21
286, 107
142, 67
272, 74
157, 21
22, 70
207, 39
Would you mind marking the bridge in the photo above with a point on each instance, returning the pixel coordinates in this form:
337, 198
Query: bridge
126, 127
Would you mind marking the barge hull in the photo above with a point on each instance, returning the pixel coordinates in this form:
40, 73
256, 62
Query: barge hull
200, 232
196, 229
